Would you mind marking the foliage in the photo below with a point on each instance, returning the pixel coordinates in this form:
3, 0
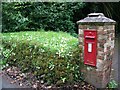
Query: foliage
24, 16
109, 9
27, 16
112, 84
4, 54
112, 10
52, 57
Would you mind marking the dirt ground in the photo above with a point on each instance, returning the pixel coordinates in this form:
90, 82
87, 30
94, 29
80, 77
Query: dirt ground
13, 79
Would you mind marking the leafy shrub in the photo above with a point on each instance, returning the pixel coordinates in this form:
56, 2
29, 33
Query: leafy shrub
52, 57
30, 16
112, 84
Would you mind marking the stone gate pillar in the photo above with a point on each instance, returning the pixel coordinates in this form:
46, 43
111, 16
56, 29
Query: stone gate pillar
97, 49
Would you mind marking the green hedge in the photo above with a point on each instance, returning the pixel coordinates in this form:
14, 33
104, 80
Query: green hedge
30, 16
52, 56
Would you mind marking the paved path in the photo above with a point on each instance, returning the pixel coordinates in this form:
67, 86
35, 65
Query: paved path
118, 59
115, 60
6, 84
118, 63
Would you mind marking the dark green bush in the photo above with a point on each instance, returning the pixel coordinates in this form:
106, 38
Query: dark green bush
52, 57
30, 16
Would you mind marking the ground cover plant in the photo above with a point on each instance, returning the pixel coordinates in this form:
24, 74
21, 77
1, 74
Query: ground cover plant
51, 56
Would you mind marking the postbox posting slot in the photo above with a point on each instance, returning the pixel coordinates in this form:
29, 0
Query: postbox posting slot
90, 37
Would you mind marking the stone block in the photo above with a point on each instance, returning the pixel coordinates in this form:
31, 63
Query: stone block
82, 27
99, 77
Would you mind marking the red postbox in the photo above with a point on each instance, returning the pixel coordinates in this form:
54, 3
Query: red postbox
90, 47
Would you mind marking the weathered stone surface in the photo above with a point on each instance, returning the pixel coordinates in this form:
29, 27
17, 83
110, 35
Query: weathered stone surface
99, 77
98, 18
82, 26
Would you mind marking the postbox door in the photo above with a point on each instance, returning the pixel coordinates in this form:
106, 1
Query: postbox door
90, 47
